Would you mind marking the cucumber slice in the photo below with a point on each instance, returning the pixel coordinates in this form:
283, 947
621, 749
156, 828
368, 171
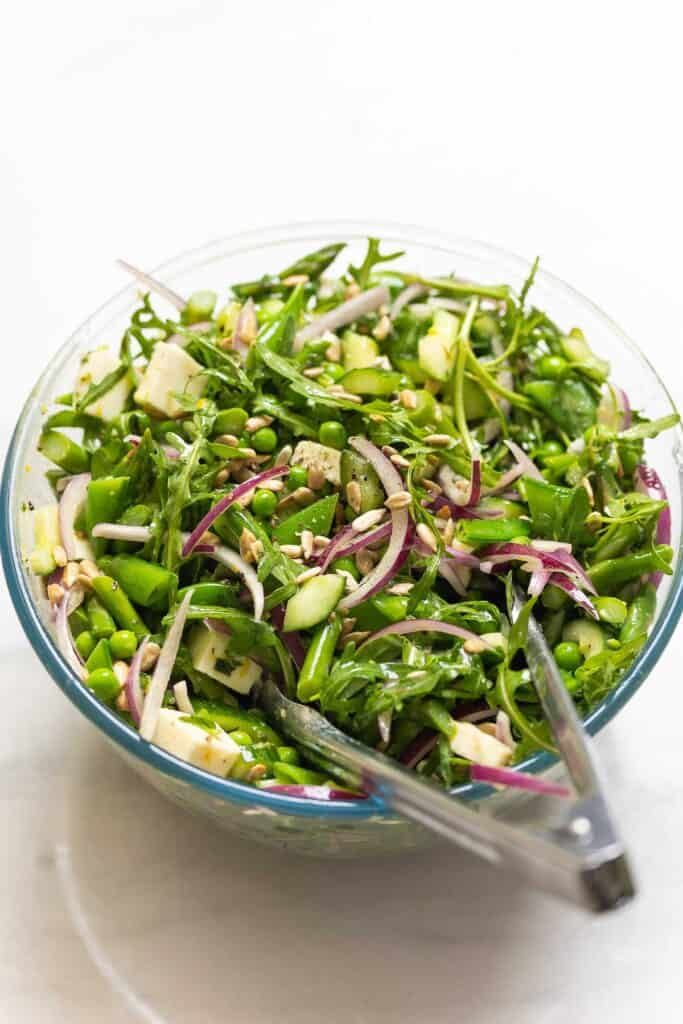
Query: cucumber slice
313, 602
317, 518
371, 381
437, 348
359, 350
354, 467
588, 635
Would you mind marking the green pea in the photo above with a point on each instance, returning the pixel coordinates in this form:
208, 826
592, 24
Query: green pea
103, 684
567, 655
550, 367
334, 370
85, 644
298, 477
264, 503
123, 644
230, 421
549, 449
332, 434
570, 681
264, 440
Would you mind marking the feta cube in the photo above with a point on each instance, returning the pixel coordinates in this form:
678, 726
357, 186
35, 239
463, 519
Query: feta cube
95, 366
207, 648
318, 456
215, 752
170, 371
476, 745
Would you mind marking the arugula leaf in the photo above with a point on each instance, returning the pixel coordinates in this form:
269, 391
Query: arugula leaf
286, 369
558, 513
373, 258
299, 425
649, 428
601, 673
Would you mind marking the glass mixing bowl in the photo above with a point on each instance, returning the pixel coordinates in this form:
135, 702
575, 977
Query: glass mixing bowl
307, 826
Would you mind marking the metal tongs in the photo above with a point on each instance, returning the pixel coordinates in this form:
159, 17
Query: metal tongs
580, 857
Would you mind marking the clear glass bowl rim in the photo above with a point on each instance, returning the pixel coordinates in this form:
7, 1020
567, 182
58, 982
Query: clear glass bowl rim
226, 789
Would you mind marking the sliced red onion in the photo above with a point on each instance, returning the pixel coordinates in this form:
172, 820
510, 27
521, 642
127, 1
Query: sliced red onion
346, 313
162, 671
478, 716
465, 558
449, 573
311, 792
152, 285
624, 408
506, 479
419, 748
517, 780
246, 328
558, 561
648, 482
521, 457
461, 511
68, 604
347, 542
503, 730
384, 725
167, 449
182, 697
71, 502
551, 545
233, 560
413, 291
578, 596
397, 550
292, 641
119, 531
407, 626
538, 582
134, 696
460, 493
219, 508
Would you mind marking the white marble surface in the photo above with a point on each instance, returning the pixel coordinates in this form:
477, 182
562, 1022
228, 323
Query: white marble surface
139, 129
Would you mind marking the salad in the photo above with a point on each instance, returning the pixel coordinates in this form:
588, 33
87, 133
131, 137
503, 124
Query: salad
332, 477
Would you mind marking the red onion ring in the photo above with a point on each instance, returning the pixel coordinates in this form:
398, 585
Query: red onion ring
517, 780
523, 460
397, 550
162, 671
407, 626
347, 542
152, 285
292, 641
70, 503
132, 685
648, 482
346, 313
219, 508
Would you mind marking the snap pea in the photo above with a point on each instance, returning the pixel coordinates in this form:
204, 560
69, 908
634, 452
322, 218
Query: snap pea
230, 718
612, 573
640, 615
318, 659
490, 531
64, 452
85, 644
285, 772
100, 656
145, 583
114, 598
101, 622
79, 621
317, 518
611, 610
105, 502
230, 421
210, 593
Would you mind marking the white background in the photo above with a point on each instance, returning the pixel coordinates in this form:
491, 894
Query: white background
141, 129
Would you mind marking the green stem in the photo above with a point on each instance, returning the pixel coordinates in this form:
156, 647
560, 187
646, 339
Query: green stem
463, 352
448, 286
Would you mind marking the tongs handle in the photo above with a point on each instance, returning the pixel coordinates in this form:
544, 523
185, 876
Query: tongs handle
570, 864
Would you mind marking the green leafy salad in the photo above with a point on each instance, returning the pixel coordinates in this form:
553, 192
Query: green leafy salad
331, 477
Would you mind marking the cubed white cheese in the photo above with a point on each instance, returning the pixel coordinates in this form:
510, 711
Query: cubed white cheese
215, 752
207, 648
474, 744
170, 371
318, 456
95, 366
